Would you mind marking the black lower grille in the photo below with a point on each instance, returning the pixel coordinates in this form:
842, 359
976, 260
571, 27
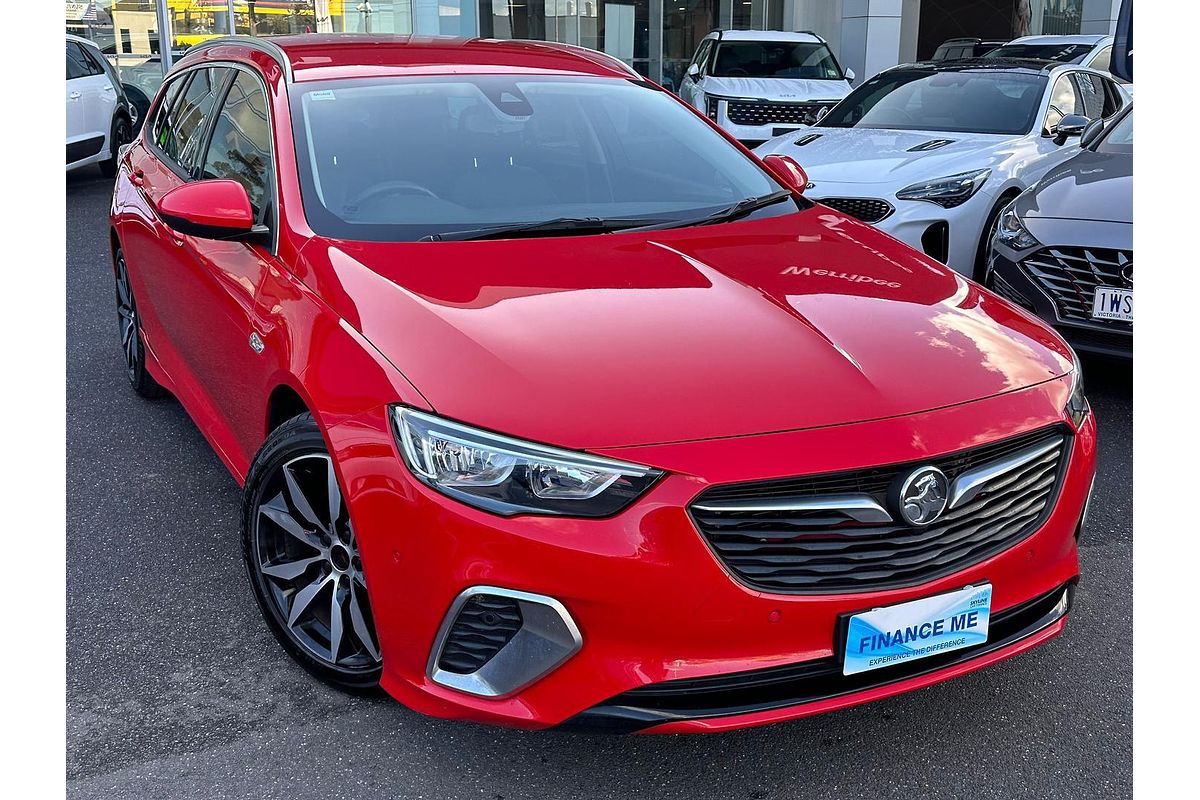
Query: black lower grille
833, 533
759, 690
743, 112
1009, 293
484, 625
1070, 276
867, 209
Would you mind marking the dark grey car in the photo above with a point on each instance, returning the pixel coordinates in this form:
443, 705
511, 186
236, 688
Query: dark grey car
1064, 248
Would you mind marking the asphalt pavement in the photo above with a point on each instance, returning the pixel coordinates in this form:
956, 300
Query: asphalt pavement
176, 689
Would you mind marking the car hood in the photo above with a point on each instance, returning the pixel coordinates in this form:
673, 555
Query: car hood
791, 90
1088, 186
868, 155
797, 321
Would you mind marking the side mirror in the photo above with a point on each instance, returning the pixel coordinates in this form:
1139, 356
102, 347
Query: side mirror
791, 174
849, 74
1068, 126
1091, 133
693, 70
213, 209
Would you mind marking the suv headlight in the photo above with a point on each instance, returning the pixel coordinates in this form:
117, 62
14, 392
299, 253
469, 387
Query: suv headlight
1011, 232
947, 192
509, 476
1077, 405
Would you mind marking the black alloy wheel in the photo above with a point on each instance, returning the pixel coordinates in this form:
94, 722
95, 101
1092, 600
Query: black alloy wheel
303, 559
130, 329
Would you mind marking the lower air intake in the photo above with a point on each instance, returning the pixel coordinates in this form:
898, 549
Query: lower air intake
485, 624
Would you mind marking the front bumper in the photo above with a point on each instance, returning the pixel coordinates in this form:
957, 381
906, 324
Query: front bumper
651, 601
1007, 278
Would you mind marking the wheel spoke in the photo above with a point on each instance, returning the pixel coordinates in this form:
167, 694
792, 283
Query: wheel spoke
296, 495
304, 598
277, 512
361, 630
335, 496
335, 622
290, 570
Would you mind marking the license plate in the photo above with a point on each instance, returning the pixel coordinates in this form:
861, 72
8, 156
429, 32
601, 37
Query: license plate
1113, 303
884, 637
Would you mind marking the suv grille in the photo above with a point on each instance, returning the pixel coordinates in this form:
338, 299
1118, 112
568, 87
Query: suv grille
1071, 274
832, 533
864, 208
743, 112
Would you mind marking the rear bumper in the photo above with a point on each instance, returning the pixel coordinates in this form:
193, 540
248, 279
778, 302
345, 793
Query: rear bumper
651, 601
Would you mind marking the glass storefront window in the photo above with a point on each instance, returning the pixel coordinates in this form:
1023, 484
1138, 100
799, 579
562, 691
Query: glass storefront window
127, 33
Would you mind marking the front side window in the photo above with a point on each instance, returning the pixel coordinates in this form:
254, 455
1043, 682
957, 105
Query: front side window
962, 101
1064, 100
701, 59
397, 160
1119, 138
1091, 94
811, 60
240, 148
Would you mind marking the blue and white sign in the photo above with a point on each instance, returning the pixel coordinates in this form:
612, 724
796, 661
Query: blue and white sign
917, 629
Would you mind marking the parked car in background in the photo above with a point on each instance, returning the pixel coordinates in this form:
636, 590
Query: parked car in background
526, 426
100, 117
1064, 247
760, 84
955, 49
932, 152
1085, 50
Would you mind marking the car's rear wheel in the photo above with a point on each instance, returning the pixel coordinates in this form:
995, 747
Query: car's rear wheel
130, 327
122, 134
303, 559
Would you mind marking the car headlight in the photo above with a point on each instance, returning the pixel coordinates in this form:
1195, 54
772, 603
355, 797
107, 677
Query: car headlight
1077, 405
710, 107
509, 476
1011, 232
948, 192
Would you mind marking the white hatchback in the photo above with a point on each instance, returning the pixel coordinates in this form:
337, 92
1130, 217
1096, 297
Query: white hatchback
99, 117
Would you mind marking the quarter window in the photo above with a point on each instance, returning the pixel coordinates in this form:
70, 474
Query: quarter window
240, 148
78, 63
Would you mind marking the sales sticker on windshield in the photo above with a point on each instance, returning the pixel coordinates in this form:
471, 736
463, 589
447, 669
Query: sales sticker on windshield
918, 629
325, 94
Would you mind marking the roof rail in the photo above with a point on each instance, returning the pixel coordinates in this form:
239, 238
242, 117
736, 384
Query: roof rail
262, 45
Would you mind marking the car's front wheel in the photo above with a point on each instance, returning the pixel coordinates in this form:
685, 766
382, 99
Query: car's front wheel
303, 560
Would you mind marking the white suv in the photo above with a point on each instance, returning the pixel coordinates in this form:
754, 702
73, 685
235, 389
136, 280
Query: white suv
99, 117
761, 84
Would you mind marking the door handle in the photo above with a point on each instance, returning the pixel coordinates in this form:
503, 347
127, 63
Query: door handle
74, 96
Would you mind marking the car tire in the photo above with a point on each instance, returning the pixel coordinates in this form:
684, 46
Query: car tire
303, 561
121, 134
979, 270
130, 327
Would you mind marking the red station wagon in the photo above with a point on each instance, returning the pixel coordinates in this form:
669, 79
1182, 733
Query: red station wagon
553, 405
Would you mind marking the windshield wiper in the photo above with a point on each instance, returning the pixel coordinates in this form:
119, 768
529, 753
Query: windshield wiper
738, 210
560, 225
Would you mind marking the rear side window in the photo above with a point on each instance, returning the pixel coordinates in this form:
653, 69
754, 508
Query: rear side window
180, 138
240, 148
78, 63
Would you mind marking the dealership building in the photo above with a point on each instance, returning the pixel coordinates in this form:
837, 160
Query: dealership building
656, 37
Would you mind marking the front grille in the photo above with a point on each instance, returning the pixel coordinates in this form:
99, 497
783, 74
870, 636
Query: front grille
832, 533
770, 688
868, 209
743, 112
1070, 276
1009, 292
484, 625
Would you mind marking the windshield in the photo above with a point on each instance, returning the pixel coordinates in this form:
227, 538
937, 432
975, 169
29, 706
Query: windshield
974, 101
1119, 138
811, 60
400, 160
1065, 53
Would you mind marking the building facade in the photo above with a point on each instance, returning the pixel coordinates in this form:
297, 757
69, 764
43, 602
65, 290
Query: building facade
656, 37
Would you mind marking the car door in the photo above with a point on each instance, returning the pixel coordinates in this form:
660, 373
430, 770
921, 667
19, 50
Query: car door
236, 288
86, 84
160, 268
